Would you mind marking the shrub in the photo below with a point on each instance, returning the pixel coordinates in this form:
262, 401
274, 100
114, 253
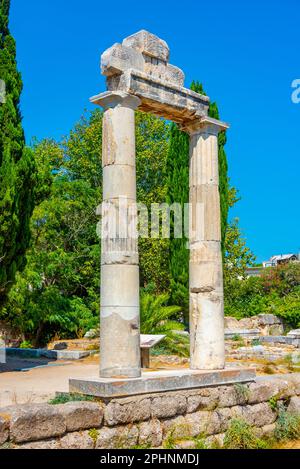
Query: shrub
26, 344
277, 291
287, 426
158, 318
288, 308
240, 435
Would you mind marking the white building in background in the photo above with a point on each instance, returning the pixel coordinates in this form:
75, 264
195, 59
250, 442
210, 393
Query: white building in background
281, 259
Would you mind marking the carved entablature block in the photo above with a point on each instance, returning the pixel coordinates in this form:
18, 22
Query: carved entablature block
140, 66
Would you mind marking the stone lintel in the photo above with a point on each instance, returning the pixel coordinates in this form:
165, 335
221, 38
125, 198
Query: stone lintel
160, 381
163, 99
114, 98
148, 44
205, 124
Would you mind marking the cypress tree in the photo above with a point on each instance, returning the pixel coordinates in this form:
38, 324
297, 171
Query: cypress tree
178, 191
17, 169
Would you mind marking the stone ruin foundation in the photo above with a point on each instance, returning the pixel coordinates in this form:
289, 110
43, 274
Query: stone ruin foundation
149, 419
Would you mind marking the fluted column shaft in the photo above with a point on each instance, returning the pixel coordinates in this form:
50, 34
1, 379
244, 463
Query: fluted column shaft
206, 274
119, 315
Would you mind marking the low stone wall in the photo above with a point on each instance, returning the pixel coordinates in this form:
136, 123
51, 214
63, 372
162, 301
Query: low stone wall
148, 419
263, 324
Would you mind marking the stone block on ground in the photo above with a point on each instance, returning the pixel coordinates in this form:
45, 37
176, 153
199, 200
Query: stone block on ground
261, 391
31, 422
77, 440
294, 405
117, 437
150, 433
295, 334
203, 399
178, 426
230, 396
4, 429
256, 415
219, 421
197, 423
215, 440
268, 430
168, 406
127, 410
231, 323
92, 334
268, 319
44, 444
81, 415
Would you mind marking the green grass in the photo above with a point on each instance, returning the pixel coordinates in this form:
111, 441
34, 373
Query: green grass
240, 435
72, 397
236, 338
94, 433
273, 402
242, 391
287, 426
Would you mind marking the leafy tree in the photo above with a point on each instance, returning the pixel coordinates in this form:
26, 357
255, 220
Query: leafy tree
224, 187
237, 255
152, 140
288, 308
58, 293
82, 149
17, 169
178, 192
157, 317
275, 291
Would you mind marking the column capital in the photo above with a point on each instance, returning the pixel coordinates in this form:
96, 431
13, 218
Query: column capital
205, 125
111, 99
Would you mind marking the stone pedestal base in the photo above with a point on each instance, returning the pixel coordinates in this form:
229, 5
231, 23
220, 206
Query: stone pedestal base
160, 381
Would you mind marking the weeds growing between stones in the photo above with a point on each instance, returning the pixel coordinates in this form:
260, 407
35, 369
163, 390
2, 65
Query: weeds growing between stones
64, 398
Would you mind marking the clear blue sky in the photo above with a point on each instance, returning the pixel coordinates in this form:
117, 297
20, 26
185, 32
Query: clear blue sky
245, 53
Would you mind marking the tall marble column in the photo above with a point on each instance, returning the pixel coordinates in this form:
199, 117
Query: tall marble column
206, 276
119, 316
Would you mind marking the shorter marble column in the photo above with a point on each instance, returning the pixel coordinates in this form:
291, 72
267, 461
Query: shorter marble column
206, 275
119, 316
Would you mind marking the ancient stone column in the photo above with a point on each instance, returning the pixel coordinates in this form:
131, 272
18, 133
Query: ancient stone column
206, 276
119, 317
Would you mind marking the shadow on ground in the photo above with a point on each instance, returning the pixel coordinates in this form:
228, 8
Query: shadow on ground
23, 364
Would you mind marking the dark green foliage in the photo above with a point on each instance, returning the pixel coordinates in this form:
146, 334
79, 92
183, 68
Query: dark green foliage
276, 291
223, 165
159, 318
178, 191
240, 435
63, 398
287, 426
17, 168
152, 139
58, 292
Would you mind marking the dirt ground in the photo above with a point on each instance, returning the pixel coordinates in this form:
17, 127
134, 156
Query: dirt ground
37, 380
290, 445
42, 379
39, 384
